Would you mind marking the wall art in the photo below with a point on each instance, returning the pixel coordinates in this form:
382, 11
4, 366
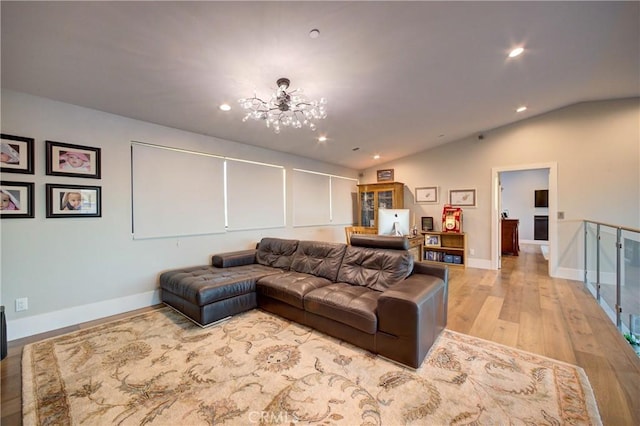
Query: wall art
65, 159
73, 201
16, 155
462, 197
16, 200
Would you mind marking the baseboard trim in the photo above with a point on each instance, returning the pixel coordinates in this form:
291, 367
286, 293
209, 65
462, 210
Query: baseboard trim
36, 324
479, 263
536, 242
569, 274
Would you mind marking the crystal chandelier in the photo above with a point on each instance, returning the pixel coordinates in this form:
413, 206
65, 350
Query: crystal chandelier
285, 108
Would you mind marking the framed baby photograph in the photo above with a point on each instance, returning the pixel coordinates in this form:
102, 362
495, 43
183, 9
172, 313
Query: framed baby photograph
16, 200
73, 201
16, 155
64, 159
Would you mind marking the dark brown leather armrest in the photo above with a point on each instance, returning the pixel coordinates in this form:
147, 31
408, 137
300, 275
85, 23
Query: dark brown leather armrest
411, 315
440, 271
234, 258
399, 308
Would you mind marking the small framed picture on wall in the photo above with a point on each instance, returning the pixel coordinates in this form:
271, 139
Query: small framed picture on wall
427, 194
385, 175
16, 155
16, 200
462, 197
65, 159
73, 201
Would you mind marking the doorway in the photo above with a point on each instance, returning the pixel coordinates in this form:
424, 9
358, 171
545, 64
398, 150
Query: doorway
496, 213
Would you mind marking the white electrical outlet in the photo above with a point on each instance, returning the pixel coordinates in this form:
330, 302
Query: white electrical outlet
22, 304
472, 252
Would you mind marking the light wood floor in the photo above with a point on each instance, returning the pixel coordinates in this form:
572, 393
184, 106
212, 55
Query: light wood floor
518, 306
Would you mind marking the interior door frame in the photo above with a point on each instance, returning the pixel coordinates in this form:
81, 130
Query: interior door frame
496, 208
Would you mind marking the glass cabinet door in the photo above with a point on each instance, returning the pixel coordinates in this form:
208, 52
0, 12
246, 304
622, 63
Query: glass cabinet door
374, 196
366, 212
385, 199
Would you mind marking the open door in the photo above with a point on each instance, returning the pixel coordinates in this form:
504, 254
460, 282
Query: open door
496, 213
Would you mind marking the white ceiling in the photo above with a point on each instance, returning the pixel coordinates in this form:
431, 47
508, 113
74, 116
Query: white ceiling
397, 75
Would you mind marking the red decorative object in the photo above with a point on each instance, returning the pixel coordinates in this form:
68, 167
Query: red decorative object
451, 219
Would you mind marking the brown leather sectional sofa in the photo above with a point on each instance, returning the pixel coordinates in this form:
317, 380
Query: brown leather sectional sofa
369, 293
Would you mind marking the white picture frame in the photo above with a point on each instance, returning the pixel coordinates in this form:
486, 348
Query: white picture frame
427, 194
462, 197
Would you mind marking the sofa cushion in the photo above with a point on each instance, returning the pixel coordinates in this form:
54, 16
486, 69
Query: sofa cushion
290, 287
377, 269
318, 258
351, 305
202, 285
276, 252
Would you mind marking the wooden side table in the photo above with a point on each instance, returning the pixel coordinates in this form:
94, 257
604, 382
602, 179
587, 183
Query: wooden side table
415, 246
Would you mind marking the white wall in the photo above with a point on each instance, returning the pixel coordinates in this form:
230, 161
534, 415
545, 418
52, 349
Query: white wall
78, 269
518, 198
596, 146
74, 270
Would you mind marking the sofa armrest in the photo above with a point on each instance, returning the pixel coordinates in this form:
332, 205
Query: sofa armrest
411, 315
234, 258
440, 271
400, 307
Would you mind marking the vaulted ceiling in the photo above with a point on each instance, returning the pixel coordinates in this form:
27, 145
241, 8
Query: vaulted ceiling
399, 77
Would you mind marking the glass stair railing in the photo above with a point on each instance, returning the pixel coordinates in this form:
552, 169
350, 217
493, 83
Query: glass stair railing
612, 274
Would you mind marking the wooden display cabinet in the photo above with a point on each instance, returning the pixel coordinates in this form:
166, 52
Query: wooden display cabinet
510, 237
372, 196
449, 248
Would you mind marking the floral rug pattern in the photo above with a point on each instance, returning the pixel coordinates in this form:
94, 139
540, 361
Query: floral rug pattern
158, 368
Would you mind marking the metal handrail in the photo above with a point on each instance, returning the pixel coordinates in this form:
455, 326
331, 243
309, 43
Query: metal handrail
621, 227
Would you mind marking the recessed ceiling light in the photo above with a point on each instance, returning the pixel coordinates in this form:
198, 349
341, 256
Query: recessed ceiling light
521, 109
225, 107
376, 157
314, 33
322, 139
516, 52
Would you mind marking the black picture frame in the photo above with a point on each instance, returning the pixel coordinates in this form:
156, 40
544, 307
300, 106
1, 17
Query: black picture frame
73, 201
17, 154
427, 223
20, 196
65, 159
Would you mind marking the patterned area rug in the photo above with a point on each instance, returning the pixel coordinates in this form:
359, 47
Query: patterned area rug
158, 368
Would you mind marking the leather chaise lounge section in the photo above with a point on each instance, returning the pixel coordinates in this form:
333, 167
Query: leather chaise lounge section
369, 293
